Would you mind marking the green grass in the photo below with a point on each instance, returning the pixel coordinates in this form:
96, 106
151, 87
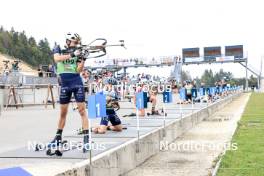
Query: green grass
248, 159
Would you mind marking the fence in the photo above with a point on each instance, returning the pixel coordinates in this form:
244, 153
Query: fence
23, 80
19, 90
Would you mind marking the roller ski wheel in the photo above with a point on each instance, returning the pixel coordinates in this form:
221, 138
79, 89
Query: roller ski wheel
56, 152
49, 153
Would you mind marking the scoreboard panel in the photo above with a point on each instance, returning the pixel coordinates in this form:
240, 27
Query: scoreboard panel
235, 50
213, 54
190, 52
212, 51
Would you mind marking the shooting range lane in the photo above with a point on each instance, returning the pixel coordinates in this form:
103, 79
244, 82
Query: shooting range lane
99, 145
37, 124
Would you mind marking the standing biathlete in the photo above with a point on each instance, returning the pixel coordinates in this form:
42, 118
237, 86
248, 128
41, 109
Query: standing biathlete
69, 65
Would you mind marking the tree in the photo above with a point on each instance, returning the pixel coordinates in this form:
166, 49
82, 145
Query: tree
252, 82
185, 75
208, 78
18, 45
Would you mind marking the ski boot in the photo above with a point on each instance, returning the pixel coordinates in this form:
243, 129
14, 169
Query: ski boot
54, 144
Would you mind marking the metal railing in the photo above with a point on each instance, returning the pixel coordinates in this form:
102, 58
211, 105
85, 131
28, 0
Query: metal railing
25, 80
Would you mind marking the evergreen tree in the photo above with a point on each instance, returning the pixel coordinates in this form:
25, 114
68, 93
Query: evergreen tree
18, 45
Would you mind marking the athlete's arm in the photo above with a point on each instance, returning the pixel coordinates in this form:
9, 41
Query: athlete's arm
59, 58
80, 66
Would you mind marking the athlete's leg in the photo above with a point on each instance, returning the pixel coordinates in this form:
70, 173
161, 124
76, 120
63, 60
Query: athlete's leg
63, 114
153, 101
100, 129
83, 114
118, 128
115, 121
79, 95
141, 112
65, 96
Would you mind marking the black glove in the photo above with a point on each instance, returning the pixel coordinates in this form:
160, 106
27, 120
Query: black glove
76, 53
81, 58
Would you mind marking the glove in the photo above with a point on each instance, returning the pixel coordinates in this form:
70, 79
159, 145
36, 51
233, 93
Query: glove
76, 53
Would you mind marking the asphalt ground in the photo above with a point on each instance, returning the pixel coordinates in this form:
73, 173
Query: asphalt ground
23, 127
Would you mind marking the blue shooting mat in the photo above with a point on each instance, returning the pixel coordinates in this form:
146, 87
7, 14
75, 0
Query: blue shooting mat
14, 171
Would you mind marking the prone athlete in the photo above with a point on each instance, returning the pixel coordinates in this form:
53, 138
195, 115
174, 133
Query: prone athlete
152, 98
111, 106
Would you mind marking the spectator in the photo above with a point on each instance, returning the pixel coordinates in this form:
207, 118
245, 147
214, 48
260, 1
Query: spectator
15, 66
40, 73
188, 88
51, 71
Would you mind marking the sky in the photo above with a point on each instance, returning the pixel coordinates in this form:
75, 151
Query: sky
149, 28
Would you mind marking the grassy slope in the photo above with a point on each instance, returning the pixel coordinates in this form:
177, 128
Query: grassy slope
248, 160
23, 66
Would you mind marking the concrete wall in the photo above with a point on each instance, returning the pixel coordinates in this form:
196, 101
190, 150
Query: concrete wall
124, 158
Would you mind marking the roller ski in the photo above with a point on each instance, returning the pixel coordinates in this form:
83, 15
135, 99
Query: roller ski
53, 148
156, 113
64, 147
57, 141
130, 115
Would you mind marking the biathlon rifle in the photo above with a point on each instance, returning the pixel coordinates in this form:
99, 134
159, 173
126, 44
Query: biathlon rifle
97, 48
